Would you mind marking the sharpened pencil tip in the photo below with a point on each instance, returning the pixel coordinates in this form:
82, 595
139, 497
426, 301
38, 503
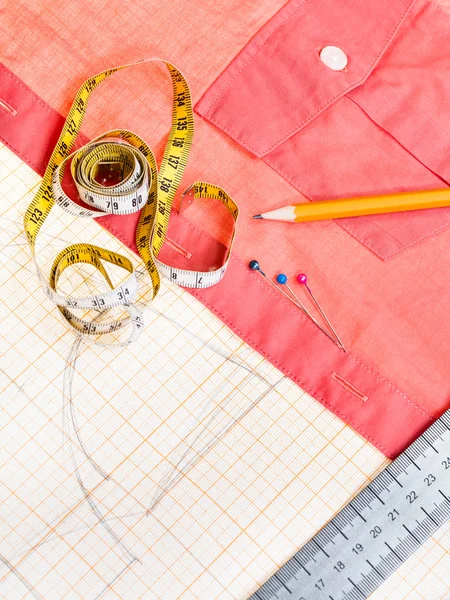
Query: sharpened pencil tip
257, 216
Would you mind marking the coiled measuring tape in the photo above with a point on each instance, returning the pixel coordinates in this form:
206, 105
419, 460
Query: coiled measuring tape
117, 174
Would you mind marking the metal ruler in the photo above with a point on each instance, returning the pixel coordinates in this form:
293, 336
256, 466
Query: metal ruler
377, 531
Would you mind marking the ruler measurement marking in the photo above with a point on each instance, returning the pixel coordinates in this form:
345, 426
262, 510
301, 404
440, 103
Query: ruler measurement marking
376, 495
397, 523
302, 566
367, 503
442, 494
412, 462
341, 532
393, 478
430, 444
355, 586
429, 516
320, 547
374, 569
393, 552
282, 583
359, 515
411, 534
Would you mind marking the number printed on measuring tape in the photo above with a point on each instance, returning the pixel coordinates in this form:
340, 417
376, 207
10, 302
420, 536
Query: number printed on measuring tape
117, 174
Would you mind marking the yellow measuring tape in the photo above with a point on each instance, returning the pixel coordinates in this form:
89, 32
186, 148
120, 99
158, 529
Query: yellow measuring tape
117, 174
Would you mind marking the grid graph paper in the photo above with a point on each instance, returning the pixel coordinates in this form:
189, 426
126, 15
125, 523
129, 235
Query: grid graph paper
182, 467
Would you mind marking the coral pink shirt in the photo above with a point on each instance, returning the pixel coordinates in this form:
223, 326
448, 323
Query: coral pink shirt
276, 126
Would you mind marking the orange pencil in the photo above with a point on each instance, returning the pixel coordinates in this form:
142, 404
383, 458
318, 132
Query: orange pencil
356, 207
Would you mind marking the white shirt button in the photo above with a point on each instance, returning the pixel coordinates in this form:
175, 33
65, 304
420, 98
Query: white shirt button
334, 58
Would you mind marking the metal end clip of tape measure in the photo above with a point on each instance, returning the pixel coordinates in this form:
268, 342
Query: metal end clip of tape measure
377, 531
117, 174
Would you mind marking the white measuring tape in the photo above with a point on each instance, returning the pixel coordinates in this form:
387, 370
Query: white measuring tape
117, 174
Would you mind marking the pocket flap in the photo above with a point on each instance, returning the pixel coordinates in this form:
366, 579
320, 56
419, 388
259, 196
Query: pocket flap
278, 83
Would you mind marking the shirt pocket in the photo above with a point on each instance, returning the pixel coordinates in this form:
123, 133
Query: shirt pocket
379, 125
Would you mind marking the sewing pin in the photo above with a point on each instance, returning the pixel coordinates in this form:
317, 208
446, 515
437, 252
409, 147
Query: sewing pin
303, 280
254, 266
282, 280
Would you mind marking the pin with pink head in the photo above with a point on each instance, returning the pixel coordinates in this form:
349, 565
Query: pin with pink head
303, 280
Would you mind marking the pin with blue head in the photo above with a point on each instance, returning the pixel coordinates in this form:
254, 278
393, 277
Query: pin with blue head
282, 279
254, 265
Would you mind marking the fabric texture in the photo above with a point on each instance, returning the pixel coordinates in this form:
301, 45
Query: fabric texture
390, 314
380, 125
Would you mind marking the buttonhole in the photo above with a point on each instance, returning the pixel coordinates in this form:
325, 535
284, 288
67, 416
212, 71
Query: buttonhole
178, 248
349, 387
8, 108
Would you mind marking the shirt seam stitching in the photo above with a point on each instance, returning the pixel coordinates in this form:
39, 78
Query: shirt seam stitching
351, 232
291, 309
252, 56
320, 109
294, 377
